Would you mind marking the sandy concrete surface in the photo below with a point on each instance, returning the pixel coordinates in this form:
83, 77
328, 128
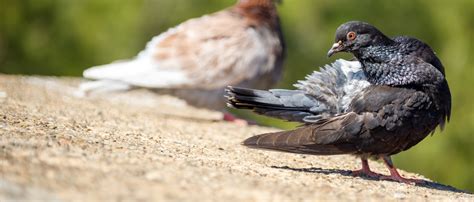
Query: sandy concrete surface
142, 146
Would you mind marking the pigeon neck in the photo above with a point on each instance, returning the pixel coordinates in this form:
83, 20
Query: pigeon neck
385, 65
258, 11
376, 53
371, 58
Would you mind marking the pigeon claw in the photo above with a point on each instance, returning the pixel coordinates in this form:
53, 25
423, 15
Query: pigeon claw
365, 170
395, 176
365, 173
232, 119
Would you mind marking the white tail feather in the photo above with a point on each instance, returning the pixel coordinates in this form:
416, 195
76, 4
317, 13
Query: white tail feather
139, 73
101, 86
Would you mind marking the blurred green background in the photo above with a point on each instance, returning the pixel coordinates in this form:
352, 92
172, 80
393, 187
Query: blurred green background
63, 37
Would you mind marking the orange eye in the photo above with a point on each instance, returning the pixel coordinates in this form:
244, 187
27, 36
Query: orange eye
351, 35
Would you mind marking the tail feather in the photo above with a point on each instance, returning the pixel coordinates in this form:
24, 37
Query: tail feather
252, 96
299, 116
290, 105
327, 137
137, 73
293, 142
101, 86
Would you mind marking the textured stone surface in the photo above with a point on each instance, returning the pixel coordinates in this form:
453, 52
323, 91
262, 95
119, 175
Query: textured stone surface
143, 146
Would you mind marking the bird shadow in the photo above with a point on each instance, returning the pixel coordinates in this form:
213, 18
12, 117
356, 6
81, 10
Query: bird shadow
189, 118
425, 183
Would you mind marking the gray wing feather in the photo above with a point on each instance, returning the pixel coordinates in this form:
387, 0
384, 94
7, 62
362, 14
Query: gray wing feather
335, 85
323, 94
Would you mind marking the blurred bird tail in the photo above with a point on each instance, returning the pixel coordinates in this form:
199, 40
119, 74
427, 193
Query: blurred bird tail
100, 86
123, 75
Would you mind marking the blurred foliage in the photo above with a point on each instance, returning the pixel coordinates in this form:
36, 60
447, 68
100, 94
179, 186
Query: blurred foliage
59, 37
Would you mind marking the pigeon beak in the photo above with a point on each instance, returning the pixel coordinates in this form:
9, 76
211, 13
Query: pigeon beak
336, 47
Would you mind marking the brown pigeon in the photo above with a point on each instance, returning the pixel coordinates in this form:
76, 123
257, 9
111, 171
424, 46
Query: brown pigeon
389, 100
241, 46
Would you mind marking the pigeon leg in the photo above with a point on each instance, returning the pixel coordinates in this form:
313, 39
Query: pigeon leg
365, 170
394, 175
231, 118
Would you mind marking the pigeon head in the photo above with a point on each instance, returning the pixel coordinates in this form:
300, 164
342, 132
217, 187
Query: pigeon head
259, 11
259, 2
354, 35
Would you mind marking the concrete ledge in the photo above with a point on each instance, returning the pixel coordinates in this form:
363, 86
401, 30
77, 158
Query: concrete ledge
142, 146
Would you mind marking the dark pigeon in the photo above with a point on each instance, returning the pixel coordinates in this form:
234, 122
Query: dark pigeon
389, 100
